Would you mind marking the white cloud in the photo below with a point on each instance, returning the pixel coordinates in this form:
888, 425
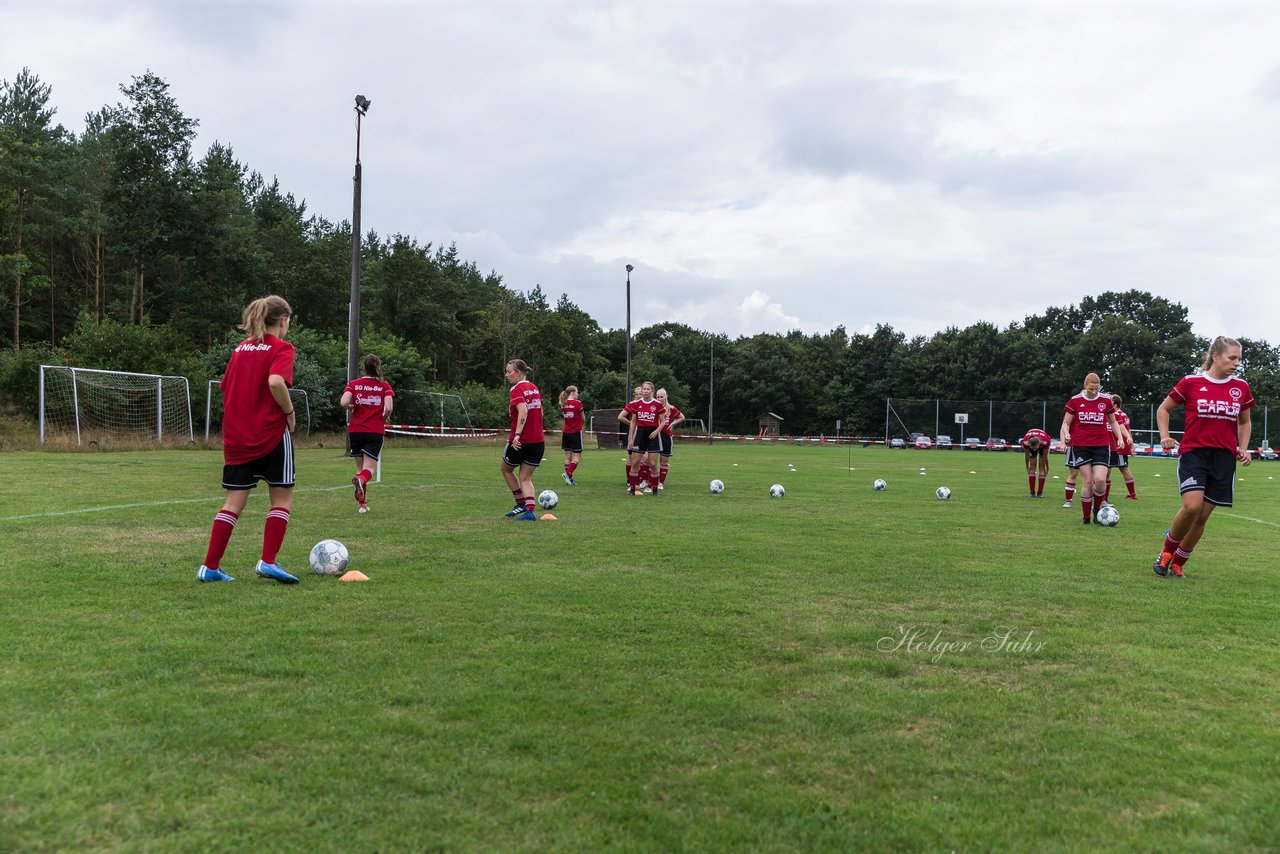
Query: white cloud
764, 166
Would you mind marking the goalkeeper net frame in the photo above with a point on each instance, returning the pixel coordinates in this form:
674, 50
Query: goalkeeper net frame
97, 406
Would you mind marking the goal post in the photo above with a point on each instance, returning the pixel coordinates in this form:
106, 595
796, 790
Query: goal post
96, 405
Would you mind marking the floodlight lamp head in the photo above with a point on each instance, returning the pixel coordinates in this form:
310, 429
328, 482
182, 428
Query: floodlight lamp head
630, 268
363, 104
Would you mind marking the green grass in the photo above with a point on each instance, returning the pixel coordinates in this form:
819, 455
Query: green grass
690, 672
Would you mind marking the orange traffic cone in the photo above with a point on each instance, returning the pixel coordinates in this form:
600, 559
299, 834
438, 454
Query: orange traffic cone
354, 575
546, 516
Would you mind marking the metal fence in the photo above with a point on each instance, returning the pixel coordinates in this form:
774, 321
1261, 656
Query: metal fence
1008, 419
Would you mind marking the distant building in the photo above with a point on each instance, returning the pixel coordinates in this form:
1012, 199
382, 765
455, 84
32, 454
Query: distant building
770, 426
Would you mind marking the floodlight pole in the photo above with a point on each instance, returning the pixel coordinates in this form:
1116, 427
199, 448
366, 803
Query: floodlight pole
626, 392
353, 309
711, 395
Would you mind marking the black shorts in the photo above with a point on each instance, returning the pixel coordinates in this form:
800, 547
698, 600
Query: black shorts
1088, 455
572, 442
643, 443
530, 454
368, 444
1040, 453
1209, 470
666, 444
276, 468
1119, 460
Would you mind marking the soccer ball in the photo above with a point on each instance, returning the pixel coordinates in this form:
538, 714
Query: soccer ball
547, 499
717, 487
943, 493
776, 491
1108, 516
880, 486
329, 557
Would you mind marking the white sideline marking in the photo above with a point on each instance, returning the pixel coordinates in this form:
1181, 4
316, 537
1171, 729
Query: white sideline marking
219, 498
1251, 519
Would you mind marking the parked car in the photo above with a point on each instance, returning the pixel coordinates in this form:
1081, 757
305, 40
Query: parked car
1056, 446
943, 443
923, 443
1266, 454
897, 444
994, 444
973, 443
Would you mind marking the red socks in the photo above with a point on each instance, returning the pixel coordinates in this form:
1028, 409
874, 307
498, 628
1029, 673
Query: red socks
223, 524
273, 533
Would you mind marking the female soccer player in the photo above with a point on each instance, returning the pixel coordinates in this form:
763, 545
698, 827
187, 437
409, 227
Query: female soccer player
525, 442
644, 418
1219, 424
368, 399
571, 436
1035, 448
1087, 428
667, 441
1121, 453
257, 444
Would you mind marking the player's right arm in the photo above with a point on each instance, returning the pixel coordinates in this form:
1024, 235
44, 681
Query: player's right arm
1162, 422
1065, 433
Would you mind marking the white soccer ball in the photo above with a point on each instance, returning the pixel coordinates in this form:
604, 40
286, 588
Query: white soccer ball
943, 493
776, 491
716, 487
880, 486
1108, 515
329, 557
547, 499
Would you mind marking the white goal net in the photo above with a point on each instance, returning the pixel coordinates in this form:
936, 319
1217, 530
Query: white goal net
95, 407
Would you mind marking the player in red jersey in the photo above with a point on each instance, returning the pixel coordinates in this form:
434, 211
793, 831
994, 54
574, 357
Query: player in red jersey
571, 435
257, 442
645, 418
525, 442
624, 431
1219, 424
666, 440
1121, 452
1088, 425
1035, 449
369, 400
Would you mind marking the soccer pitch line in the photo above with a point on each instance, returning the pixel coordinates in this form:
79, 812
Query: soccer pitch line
50, 514
1248, 519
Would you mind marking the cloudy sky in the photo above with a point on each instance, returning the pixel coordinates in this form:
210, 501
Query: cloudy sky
766, 166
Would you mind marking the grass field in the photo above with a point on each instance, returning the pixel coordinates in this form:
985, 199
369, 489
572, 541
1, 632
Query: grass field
837, 670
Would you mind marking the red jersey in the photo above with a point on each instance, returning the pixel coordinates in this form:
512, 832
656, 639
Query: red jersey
1213, 410
673, 414
1090, 428
252, 422
1120, 446
1034, 433
368, 394
527, 393
572, 410
646, 413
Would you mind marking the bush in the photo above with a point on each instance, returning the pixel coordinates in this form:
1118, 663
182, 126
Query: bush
20, 375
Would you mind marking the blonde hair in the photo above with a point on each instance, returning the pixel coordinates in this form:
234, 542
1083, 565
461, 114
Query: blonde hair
1220, 345
264, 312
519, 365
1092, 378
564, 395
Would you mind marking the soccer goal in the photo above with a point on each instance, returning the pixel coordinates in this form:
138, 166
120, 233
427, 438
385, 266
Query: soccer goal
213, 411
117, 406
432, 411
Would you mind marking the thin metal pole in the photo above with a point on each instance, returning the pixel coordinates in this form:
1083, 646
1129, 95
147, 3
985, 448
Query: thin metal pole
353, 313
711, 397
627, 391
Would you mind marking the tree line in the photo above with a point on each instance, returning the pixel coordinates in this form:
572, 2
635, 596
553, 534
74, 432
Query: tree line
122, 249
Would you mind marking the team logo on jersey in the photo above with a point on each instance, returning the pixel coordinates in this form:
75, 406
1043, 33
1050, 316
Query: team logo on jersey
1235, 393
1204, 388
